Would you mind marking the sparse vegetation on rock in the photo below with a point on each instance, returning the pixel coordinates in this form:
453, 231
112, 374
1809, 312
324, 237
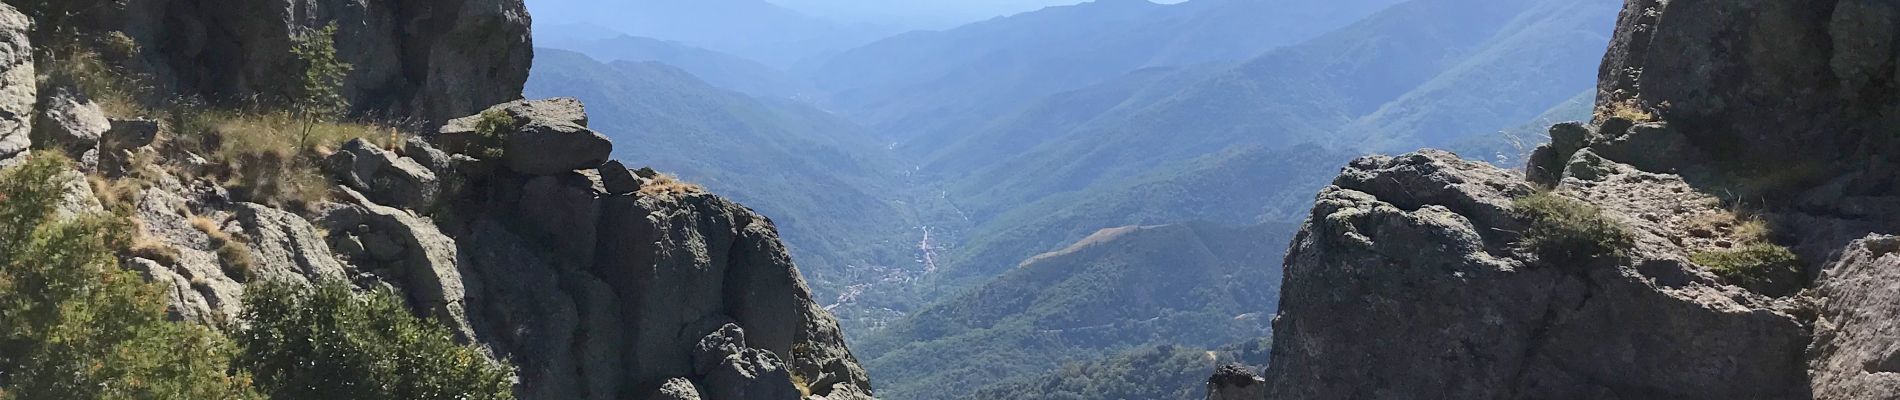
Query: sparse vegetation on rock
1569, 232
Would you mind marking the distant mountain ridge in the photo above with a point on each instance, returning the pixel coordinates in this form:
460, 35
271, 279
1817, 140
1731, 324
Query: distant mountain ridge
723, 70
754, 29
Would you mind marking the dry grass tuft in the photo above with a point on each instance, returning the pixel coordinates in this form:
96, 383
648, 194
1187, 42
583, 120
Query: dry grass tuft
1628, 109
667, 184
232, 254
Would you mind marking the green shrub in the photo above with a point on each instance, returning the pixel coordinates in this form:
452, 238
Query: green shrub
329, 343
1568, 232
491, 134
1762, 267
73, 325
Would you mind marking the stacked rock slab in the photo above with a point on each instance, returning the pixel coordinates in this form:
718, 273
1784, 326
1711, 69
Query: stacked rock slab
599, 291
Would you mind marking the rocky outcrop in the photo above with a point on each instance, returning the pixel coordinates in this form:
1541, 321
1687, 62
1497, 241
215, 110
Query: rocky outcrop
18, 90
1421, 263
427, 60
1234, 382
1414, 263
1768, 82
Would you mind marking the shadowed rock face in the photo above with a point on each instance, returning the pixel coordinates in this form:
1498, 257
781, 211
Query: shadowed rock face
1768, 82
418, 60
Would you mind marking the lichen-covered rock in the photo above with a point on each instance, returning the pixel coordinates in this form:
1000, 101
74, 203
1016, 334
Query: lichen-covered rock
1411, 263
1852, 356
19, 93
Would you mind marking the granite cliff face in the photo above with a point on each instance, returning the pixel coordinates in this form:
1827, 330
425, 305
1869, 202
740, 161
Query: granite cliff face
1723, 128
510, 226
427, 60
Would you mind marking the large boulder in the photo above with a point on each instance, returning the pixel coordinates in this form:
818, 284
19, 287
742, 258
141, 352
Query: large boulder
1413, 264
19, 90
383, 176
540, 137
71, 121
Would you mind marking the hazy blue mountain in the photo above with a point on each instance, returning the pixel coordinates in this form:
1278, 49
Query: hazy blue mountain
753, 29
1312, 92
933, 83
818, 176
1120, 289
723, 70
917, 14
1229, 142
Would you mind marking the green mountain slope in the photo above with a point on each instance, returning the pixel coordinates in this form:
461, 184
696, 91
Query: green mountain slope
1162, 372
1119, 289
816, 175
1313, 92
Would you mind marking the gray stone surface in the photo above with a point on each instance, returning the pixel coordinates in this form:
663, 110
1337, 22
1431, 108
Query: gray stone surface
286, 247
1774, 82
70, 121
1853, 353
383, 176
19, 91
425, 260
545, 137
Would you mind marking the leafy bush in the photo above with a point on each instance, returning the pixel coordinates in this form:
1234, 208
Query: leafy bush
329, 343
491, 134
75, 325
1565, 231
1762, 267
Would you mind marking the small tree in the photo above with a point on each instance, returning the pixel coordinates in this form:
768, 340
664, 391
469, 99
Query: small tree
320, 97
